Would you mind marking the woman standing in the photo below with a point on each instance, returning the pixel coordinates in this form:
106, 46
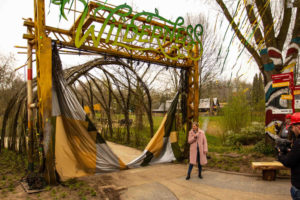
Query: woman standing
198, 149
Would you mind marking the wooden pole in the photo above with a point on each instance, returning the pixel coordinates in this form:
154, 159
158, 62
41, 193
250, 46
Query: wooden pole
192, 96
44, 83
193, 92
196, 84
29, 102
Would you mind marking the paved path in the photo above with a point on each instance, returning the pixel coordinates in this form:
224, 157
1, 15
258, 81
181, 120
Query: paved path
167, 181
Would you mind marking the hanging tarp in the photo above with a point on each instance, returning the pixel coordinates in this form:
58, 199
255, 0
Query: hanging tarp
163, 147
80, 150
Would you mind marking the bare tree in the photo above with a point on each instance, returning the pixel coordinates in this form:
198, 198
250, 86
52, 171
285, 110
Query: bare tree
9, 81
210, 61
138, 79
6, 71
105, 97
274, 27
142, 81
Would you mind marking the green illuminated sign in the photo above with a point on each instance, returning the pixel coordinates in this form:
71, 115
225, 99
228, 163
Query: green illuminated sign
149, 37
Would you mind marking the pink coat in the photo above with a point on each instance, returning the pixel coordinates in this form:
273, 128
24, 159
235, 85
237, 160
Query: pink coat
202, 143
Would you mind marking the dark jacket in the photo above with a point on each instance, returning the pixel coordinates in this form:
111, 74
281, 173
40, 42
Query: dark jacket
292, 160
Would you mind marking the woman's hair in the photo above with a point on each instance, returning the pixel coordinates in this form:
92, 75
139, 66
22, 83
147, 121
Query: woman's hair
196, 124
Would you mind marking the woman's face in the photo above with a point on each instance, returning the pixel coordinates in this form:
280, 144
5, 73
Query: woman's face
195, 128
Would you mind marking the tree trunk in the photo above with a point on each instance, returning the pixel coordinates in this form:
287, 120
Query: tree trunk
109, 121
269, 54
149, 115
139, 108
127, 127
139, 118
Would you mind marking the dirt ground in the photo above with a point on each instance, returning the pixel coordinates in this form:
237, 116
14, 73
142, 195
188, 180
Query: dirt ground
164, 181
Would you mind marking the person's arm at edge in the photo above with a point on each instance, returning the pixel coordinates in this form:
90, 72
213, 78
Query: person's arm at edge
292, 158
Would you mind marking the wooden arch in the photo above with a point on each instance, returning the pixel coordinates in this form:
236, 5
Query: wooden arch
169, 53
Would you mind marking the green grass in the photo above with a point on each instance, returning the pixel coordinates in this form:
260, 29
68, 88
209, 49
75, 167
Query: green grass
247, 149
213, 140
12, 169
215, 144
211, 118
156, 122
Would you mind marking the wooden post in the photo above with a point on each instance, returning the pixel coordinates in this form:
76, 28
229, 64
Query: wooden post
193, 92
29, 102
192, 96
269, 175
196, 84
44, 83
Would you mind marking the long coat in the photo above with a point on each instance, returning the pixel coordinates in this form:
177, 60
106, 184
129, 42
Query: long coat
202, 143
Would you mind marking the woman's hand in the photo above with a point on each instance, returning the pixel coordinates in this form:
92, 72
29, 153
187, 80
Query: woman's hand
196, 135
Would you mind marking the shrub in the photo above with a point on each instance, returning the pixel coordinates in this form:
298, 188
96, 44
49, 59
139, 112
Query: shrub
236, 113
247, 136
266, 149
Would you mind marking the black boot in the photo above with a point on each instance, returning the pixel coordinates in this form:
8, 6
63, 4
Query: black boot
188, 177
200, 176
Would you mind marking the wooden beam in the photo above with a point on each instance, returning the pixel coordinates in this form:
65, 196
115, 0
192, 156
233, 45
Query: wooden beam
44, 83
122, 54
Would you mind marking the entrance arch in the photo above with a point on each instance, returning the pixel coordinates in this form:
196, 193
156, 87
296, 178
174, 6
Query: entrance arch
158, 41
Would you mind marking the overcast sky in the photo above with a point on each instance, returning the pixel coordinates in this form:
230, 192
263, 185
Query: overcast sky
12, 29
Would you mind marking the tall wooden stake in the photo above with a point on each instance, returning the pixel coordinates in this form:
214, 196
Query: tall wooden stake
44, 83
193, 92
192, 97
29, 102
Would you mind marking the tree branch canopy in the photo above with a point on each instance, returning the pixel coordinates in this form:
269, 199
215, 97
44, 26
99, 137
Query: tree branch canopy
253, 21
265, 13
296, 31
240, 35
284, 26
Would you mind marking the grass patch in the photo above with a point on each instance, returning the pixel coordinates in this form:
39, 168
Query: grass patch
11, 170
213, 140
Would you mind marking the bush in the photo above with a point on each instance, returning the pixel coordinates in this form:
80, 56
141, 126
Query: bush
266, 149
236, 113
247, 136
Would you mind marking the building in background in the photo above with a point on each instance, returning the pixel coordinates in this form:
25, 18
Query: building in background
209, 103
